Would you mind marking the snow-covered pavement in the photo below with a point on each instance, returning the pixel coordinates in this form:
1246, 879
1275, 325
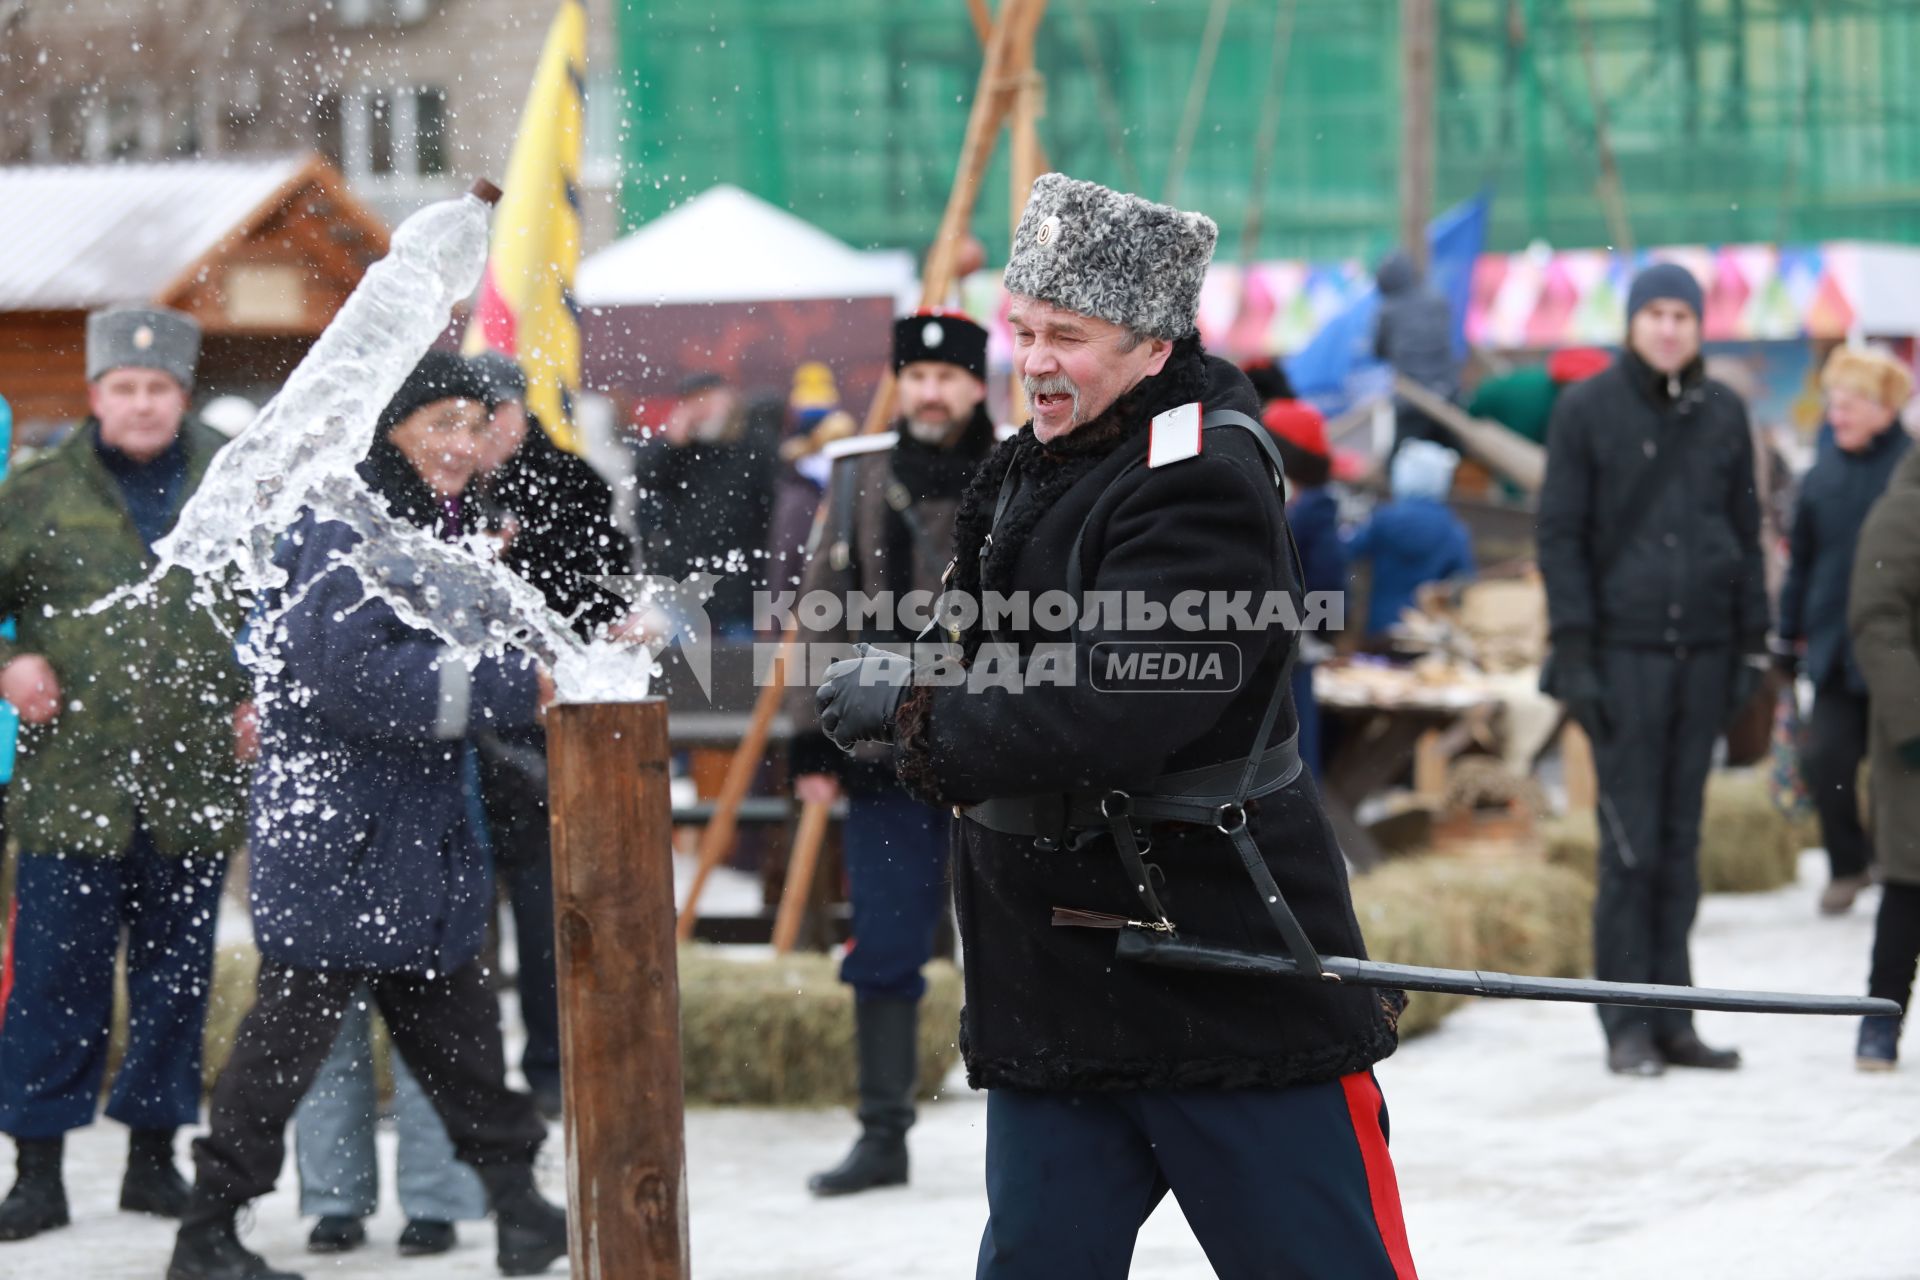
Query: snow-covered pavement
1518, 1156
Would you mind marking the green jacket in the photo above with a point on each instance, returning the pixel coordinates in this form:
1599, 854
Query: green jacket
148, 689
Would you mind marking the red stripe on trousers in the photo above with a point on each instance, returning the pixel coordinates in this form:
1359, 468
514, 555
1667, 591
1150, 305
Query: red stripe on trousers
6, 965
1363, 1107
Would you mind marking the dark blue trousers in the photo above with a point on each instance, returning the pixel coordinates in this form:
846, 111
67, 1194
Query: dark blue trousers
1277, 1184
70, 910
1306, 707
896, 850
529, 883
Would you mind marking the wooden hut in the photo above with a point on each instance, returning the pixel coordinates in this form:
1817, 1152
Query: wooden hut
261, 252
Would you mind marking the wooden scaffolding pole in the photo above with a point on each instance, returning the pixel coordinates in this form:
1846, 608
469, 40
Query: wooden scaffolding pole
1004, 79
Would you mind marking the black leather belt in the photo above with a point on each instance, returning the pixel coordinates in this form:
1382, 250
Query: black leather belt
1203, 796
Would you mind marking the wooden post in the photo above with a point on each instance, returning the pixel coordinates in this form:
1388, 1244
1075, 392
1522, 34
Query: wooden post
1417, 36
716, 838
619, 990
800, 872
1430, 766
1576, 768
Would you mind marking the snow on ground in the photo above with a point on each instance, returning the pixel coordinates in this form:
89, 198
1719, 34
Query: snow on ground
1518, 1156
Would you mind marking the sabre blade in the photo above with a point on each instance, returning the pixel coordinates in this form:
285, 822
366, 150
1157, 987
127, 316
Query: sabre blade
1208, 957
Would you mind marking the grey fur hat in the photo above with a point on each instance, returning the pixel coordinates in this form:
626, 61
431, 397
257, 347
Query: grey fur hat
143, 338
1110, 255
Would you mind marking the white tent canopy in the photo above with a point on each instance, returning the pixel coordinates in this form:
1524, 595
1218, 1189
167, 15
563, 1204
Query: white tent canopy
726, 245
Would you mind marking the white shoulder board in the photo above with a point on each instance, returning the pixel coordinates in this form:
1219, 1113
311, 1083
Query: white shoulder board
1176, 435
857, 445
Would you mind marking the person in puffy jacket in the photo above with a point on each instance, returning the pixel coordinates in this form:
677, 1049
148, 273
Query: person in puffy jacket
1414, 539
1413, 333
369, 871
1865, 393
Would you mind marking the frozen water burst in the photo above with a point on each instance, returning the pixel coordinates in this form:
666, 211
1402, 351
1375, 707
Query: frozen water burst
302, 452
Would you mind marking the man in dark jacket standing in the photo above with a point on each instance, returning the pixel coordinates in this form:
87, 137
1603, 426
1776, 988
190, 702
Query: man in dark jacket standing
1865, 392
555, 515
1113, 1080
129, 791
1649, 538
889, 528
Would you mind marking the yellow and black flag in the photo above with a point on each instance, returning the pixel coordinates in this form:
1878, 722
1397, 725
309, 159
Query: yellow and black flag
526, 307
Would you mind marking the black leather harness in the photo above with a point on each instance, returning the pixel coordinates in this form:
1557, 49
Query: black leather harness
1210, 796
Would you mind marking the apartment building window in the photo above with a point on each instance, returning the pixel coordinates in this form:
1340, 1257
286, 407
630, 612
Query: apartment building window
603, 156
384, 133
378, 13
91, 126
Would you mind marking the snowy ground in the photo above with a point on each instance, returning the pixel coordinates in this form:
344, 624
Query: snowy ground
1518, 1156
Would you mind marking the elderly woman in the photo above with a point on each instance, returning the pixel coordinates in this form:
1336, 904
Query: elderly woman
369, 871
1865, 391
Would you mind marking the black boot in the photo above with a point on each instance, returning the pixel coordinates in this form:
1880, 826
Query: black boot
1687, 1049
152, 1184
887, 1032
208, 1246
530, 1231
38, 1201
1633, 1053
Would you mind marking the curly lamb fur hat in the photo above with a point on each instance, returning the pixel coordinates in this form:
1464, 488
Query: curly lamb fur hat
1110, 255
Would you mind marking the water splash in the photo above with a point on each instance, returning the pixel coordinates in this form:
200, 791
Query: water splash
303, 452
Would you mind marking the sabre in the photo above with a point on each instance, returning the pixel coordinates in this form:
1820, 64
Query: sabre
1179, 953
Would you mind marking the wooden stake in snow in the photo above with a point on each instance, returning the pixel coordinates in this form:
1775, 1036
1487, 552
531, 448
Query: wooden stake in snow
619, 990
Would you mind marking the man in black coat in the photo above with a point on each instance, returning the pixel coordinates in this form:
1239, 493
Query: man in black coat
1132, 537
1649, 537
889, 528
706, 483
555, 514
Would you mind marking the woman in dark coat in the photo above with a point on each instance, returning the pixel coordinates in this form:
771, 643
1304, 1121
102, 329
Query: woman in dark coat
367, 868
1865, 392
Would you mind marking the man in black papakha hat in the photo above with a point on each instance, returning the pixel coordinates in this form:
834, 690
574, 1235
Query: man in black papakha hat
889, 528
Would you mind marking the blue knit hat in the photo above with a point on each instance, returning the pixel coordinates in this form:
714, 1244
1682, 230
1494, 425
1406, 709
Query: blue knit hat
1665, 280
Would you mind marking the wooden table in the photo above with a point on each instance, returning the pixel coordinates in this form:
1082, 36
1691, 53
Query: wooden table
1381, 739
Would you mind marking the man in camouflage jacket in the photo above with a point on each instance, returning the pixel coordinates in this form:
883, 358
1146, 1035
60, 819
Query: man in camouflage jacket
129, 790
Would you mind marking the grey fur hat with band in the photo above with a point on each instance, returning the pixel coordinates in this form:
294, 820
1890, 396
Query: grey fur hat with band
143, 338
1110, 255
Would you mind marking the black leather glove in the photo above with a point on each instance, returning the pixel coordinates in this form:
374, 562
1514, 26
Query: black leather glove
857, 697
1577, 683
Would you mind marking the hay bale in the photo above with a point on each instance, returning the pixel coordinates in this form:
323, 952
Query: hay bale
1515, 917
1572, 841
235, 969
1746, 845
759, 1030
